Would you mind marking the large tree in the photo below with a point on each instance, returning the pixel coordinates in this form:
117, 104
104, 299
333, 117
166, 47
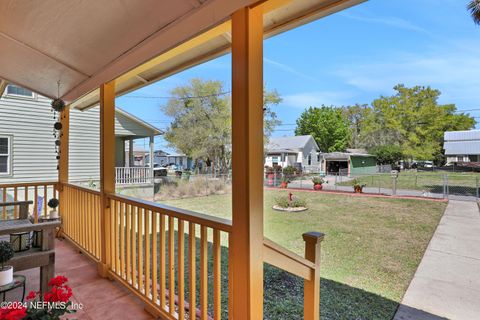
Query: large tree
328, 126
414, 120
201, 120
474, 7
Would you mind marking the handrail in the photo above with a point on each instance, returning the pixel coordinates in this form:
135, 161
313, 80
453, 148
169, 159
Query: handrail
282, 258
28, 184
182, 214
85, 189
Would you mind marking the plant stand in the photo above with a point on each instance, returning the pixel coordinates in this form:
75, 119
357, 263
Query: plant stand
18, 281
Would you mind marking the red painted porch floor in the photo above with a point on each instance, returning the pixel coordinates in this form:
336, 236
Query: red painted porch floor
101, 298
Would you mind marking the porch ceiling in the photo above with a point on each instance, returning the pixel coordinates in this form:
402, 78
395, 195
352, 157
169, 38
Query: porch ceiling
83, 44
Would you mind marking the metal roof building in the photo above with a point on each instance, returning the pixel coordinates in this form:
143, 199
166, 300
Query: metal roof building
462, 143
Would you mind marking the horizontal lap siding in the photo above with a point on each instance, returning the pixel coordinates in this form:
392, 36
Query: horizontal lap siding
30, 123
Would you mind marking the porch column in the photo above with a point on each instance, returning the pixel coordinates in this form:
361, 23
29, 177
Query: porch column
131, 160
107, 168
63, 161
246, 259
152, 158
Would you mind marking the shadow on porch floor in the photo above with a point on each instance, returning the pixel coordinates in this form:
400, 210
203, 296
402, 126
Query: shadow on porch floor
101, 298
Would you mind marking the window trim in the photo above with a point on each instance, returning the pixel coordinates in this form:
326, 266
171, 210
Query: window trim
9, 156
19, 96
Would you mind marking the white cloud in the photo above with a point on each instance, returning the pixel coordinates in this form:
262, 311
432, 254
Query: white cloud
289, 69
452, 68
388, 21
317, 98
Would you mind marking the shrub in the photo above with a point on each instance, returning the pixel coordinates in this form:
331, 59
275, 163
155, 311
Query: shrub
53, 203
6, 252
282, 201
289, 170
285, 202
318, 180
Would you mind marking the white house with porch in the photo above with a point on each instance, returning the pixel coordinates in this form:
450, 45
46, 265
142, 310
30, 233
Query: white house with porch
299, 151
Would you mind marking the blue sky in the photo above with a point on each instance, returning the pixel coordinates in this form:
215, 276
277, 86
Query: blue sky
353, 57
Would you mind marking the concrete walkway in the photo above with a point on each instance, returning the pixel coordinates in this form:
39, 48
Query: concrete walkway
447, 281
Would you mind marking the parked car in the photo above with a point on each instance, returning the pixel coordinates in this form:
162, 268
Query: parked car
159, 170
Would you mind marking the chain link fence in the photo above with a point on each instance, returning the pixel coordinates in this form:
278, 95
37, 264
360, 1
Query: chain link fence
441, 185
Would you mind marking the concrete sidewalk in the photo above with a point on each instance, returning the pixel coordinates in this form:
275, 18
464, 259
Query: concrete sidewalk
447, 281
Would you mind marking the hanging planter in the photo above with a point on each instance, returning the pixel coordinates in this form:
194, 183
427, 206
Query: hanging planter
58, 105
57, 126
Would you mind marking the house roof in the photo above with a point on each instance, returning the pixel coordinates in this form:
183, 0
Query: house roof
462, 142
289, 144
344, 155
68, 49
139, 121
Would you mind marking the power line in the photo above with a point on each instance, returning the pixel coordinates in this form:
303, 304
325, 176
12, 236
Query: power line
222, 93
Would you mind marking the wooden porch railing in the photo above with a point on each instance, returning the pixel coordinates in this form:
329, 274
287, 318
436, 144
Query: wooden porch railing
80, 212
133, 175
162, 254
24, 192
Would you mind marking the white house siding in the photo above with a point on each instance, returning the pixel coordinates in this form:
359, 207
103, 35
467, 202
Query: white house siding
30, 124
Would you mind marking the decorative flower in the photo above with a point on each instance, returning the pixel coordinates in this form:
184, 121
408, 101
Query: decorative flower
31, 295
58, 281
13, 313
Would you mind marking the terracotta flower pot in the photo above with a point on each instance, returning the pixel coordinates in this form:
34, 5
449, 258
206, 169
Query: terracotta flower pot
283, 185
358, 189
318, 187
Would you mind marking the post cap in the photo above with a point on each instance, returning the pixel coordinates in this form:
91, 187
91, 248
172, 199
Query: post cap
313, 237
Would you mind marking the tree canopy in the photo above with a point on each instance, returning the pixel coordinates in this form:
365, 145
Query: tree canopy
474, 8
387, 154
414, 120
328, 126
201, 120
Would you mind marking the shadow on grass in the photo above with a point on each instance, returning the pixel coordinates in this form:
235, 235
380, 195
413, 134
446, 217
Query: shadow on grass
453, 190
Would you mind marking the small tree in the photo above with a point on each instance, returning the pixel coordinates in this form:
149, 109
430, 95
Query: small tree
387, 154
6, 253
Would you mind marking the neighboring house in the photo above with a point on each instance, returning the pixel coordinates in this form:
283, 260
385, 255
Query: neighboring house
462, 146
351, 162
27, 143
298, 151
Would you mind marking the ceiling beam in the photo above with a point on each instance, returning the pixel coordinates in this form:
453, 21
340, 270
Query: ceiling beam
3, 85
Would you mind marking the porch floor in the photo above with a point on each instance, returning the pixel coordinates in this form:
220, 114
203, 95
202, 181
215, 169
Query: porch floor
101, 298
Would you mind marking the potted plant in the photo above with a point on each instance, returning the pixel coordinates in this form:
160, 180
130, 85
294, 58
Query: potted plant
284, 182
357, 187
6, 272
317, 183
53, 204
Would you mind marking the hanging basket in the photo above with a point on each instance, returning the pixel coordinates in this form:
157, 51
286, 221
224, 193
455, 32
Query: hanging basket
58, 105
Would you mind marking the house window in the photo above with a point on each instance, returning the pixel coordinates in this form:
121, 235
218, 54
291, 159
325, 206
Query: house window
309, 161
14, 90
5, 155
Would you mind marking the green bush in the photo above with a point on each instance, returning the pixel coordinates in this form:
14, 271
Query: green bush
6, 252
289, 170
283, 202
318, 180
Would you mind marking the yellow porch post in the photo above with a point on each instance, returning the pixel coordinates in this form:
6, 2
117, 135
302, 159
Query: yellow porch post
63, 162
107, 169
246, 258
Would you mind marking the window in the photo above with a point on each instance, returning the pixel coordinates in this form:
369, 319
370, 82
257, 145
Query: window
309, 159
5, 155
19, 91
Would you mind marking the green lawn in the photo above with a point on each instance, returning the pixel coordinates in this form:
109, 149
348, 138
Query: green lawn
459, 183
370, 253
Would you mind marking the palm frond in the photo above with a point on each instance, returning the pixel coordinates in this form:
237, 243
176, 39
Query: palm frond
474, 7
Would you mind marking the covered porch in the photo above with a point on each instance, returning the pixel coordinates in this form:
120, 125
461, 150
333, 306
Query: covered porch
178, 263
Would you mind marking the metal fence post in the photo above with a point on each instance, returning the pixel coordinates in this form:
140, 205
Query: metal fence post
394, 185
476, 186
335, 182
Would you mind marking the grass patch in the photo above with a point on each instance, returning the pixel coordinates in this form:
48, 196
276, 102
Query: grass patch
371, 250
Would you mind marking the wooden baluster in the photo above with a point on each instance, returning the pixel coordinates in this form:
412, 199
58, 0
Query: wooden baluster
181, 269
204, 272
147, 254
35, 205
134, 246
311, 288
192, 272
117, 235
154, 258
128, 238
162, 263
4, 199
140, 249
122, 240
217, 276
45, 200
112, 234
171, 264
15, 198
